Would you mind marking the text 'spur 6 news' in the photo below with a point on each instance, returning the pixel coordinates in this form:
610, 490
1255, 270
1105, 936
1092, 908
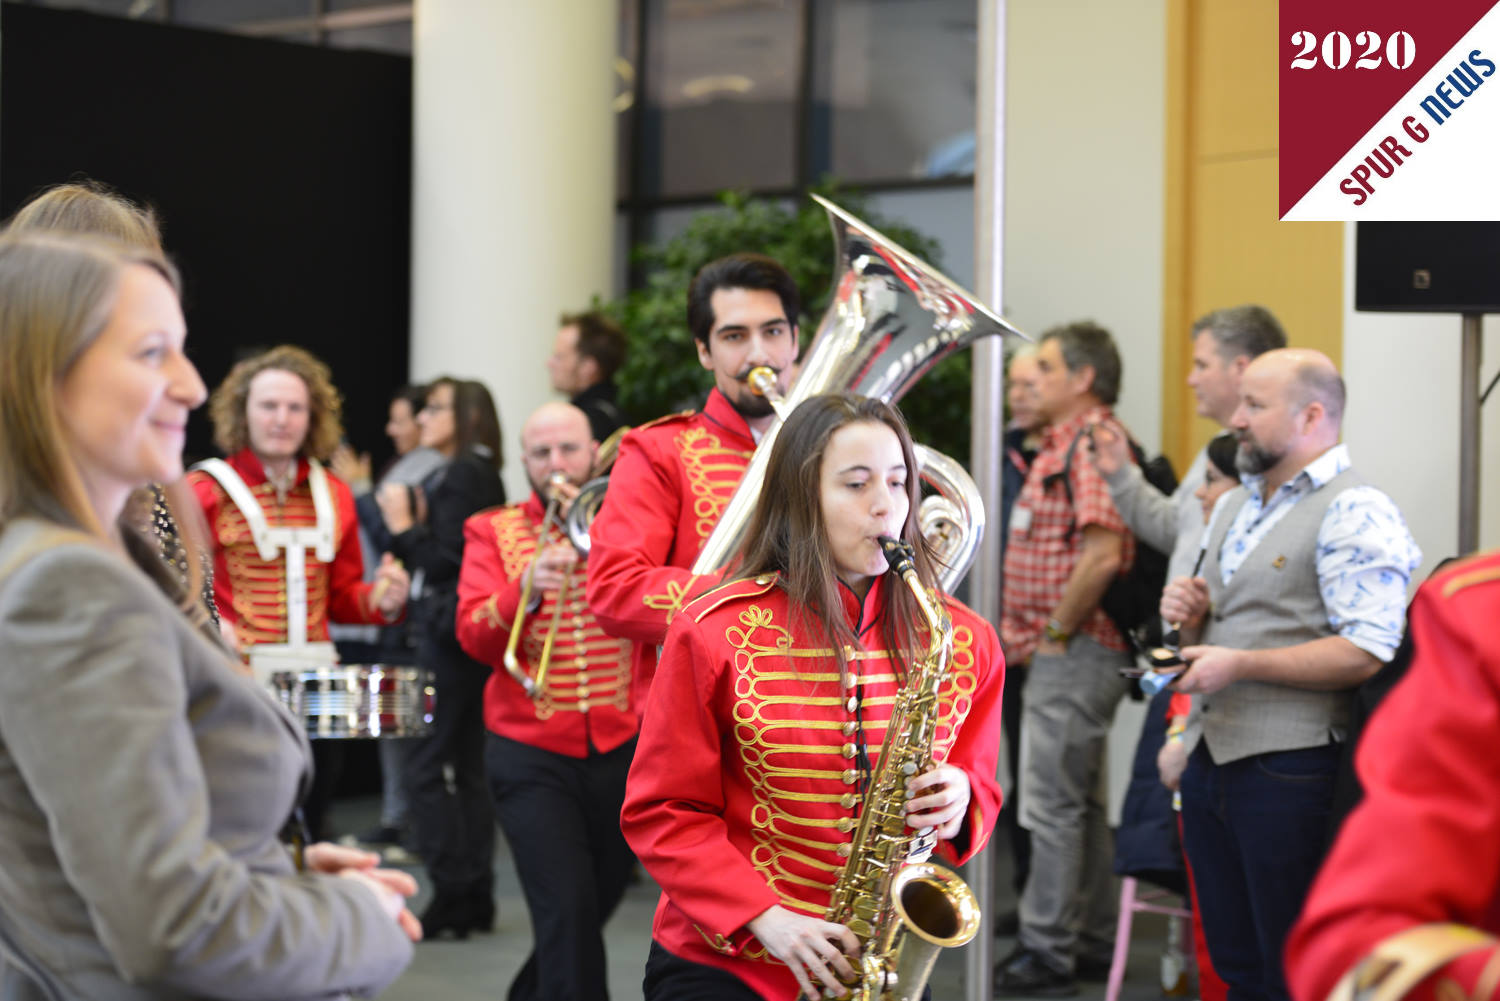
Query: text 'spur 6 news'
1390, 110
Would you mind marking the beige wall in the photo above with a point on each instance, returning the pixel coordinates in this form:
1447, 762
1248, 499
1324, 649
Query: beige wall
1083, 187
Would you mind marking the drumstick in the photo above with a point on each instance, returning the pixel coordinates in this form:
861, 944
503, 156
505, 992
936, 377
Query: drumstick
381, 586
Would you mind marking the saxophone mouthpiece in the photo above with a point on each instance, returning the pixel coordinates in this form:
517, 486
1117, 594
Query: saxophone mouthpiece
898, 555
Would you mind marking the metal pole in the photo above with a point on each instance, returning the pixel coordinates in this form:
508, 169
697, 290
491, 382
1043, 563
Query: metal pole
1468, 440
987, 402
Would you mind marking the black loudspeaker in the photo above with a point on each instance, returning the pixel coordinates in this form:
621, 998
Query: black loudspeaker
1427, 267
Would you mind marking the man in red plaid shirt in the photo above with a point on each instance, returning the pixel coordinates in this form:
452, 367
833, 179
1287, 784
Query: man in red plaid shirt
1067, 543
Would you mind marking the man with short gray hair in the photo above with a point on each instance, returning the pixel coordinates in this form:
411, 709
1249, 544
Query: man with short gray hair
1066, 544
1303, 597
1225, 342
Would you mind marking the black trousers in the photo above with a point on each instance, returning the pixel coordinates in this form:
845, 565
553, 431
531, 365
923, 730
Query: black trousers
669, 978
561, 816
455, 828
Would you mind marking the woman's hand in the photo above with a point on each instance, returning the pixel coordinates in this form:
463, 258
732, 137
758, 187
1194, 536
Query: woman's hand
809, 946
352, 467
1171, 760
390, 886
395, 502
940, 800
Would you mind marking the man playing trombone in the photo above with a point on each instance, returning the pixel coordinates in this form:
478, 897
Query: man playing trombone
675, 476
557, 708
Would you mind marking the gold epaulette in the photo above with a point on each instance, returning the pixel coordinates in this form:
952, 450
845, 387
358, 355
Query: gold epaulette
1481, 568
749, 587
1401, 962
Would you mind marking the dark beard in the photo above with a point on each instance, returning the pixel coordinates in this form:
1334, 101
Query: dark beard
1252, 460
751, 405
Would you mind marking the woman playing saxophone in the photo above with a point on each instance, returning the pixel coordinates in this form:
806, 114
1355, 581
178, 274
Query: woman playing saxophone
768, 713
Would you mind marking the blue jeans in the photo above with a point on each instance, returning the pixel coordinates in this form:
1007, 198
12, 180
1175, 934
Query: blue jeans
1255, 831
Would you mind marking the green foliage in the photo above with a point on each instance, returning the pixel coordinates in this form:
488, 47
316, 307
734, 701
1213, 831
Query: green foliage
661, 373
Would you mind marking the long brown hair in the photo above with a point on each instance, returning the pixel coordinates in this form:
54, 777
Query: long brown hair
88, 207
92, 208
476, 423
56, 294
787, 534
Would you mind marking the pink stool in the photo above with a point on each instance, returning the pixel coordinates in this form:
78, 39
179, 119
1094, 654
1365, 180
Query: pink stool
1132, 902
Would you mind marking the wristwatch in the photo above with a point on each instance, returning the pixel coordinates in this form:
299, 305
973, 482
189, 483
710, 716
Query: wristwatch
1054, 631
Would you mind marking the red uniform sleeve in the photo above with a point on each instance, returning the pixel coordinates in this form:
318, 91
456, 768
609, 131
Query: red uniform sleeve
487, 598
208, 492
633, 590
348, 592
673, 815
1424, 845
976, 749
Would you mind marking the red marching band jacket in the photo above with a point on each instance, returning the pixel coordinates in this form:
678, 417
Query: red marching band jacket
251, 592
585, 701
746, 785
1408, 903
669, 486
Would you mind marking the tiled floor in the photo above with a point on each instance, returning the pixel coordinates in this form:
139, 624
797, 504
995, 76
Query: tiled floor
482, 966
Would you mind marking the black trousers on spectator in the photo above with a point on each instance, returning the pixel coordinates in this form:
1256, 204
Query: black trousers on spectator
561, 816
455, 828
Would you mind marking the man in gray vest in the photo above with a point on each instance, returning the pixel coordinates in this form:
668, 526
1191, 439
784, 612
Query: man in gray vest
1302, 597
1225, 342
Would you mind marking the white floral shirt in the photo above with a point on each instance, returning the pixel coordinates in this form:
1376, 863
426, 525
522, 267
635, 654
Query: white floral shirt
1365, 553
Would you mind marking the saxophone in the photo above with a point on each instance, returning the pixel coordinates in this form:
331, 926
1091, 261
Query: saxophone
903, 912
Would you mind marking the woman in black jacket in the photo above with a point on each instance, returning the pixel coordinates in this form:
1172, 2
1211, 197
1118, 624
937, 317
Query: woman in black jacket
455, 830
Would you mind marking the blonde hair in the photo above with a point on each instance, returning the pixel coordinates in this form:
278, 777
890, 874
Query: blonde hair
89, 207
226, 408
56, 294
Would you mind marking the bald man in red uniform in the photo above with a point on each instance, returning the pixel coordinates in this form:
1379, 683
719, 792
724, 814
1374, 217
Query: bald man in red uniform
1408, 903
556, 762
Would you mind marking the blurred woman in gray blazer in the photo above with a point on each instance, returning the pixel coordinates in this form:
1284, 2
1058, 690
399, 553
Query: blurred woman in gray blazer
143, 779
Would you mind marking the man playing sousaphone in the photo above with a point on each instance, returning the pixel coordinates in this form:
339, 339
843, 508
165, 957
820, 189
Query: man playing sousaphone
285, 536
674, 476
557, 708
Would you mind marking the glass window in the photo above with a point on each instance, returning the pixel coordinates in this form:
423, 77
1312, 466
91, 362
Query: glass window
150, 10
395, 37
722, 81
625, 76
893, 89
235, 14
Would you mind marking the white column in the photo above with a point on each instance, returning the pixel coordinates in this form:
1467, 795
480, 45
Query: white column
512, 190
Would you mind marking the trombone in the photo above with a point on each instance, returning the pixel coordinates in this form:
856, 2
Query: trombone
535, 685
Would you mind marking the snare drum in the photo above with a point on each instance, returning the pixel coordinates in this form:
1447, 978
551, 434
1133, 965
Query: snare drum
351, 701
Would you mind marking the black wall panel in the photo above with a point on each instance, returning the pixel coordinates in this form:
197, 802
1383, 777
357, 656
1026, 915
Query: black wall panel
281, 172
1427, 267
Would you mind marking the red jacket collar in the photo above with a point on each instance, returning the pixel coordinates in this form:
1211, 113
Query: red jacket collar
861, 615
253, 473
719, 410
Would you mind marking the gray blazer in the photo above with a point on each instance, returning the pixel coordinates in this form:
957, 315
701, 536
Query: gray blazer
143, 782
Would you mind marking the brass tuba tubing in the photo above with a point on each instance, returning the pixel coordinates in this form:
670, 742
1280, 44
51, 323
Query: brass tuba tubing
892, 317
